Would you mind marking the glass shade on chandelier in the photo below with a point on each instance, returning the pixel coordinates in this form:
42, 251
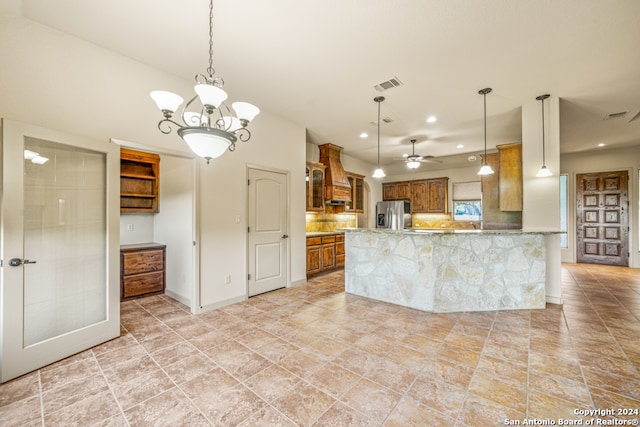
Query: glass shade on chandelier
485, 169
208, 126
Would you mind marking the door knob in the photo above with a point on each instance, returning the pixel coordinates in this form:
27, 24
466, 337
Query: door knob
285, 236
17, 262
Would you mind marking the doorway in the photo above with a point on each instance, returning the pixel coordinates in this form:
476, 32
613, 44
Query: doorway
602, 218
268, 242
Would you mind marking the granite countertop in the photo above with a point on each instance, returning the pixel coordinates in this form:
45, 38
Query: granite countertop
450, 231
325, 233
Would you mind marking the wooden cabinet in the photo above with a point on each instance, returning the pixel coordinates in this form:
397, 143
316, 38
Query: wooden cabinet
142, 270
510, 177
324, 253
314, 255
356, 204
425, 195
139, 182
340, 250
315, 187
492, 217
396, 190
437, 191
328, 252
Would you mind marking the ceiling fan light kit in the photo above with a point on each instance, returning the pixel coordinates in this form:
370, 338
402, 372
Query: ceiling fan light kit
485, 169
213, 128
544, 171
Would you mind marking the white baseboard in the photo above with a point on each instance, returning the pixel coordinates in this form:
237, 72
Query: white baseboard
184, 300
554, 300
298, 283
224, 303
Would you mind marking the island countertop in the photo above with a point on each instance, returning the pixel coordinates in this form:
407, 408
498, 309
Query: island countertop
449, 231
448, 270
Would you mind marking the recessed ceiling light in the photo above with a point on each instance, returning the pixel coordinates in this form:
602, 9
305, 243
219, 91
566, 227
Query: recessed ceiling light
432, 119
602, 144
364, 135
459, 146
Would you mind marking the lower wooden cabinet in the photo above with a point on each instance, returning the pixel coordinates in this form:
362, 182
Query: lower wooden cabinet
142, 270
324, 253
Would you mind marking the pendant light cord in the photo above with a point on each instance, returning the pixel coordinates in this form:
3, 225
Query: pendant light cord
484, 96
544, 162
379, 134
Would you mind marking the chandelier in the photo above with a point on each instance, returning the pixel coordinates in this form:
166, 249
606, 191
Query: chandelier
209, 126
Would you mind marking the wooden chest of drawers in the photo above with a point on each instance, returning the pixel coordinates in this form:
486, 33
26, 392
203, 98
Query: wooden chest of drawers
142, 270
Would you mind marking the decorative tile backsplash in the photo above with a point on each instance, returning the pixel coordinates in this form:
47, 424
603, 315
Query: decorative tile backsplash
441, 221
324, 222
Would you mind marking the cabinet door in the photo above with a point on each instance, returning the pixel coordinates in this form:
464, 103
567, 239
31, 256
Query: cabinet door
419, 197
359, 196
388, 191
437, 196
403, 190
510, 174
313, 259
328, 255
317, 189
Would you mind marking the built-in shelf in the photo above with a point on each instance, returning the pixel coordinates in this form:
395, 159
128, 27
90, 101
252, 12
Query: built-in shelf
139, 182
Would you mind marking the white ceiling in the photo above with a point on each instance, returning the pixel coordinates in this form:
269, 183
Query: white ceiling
316, 62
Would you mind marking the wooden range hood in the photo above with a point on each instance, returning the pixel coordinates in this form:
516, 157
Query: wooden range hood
337, 189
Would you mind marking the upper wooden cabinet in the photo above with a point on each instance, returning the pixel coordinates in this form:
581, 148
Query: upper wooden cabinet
396, 190
510, 177
493, 218
139, 182
315, 187
356, 204
425, 195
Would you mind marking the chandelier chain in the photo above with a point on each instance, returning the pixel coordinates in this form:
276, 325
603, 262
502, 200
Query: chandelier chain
210, 70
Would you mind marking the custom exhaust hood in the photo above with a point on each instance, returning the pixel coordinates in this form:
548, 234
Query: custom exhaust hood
337, 189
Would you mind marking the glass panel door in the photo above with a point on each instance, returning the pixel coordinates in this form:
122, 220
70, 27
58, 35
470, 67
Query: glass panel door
65, 237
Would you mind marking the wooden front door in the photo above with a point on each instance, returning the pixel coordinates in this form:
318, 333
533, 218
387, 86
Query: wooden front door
603, 218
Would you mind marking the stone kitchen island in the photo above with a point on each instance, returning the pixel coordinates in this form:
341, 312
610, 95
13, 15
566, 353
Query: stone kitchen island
448, 270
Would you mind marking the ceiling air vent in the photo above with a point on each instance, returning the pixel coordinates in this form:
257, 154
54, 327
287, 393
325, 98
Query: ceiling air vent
618, 115
383, 120
388, 84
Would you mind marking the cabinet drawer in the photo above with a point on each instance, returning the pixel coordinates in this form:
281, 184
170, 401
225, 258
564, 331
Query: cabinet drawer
312, 241
328, 239
142, 262
140, 284
340, 238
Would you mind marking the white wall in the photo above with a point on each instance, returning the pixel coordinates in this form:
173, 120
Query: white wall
136, 228
56, 81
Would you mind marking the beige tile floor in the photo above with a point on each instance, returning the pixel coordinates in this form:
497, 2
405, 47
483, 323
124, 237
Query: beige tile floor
313, 355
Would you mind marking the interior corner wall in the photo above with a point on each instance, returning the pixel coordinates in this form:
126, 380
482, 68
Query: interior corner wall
603, 160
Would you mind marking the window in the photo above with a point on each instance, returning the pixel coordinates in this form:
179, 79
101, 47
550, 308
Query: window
563, 212
467, 201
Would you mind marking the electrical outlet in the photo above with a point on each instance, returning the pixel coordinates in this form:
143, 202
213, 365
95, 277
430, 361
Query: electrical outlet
237, 219
129, 227
227, 279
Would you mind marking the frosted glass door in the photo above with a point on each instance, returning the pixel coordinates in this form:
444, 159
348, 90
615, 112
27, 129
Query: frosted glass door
59, 281
65, 234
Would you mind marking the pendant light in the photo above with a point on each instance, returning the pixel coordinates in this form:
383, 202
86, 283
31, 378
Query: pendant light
485, 169
211, 129
378, 173
543, 172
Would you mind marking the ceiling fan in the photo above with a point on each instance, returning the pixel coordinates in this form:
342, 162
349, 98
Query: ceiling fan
413, 160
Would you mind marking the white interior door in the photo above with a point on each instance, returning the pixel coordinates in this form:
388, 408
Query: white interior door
60, 239
268, 239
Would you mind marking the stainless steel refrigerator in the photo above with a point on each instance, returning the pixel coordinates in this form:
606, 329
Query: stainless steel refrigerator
395, 215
